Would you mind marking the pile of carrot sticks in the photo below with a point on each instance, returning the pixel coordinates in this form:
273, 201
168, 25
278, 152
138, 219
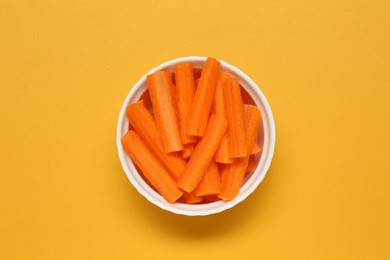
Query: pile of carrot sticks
199, 142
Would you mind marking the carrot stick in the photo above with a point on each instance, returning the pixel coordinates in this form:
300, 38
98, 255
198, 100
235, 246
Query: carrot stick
251, 164
255, 148
191, 198
185, 91
212, 198
235, 117
162, 96
151, 167
188, 149
222, 156
197, 82
147, 102
203, 153
203, 100
252, 118
145, 125
233, 174
219, 108
210, 184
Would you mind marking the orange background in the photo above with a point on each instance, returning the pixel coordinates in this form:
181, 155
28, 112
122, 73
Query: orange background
66, 67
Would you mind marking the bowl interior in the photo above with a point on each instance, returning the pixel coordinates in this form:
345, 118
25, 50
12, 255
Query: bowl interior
250, 92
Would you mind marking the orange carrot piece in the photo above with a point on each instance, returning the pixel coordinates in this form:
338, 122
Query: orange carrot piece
144, 124
162, 96
251, 164
252, 119
197, 82
235, 117
203, 153
185, 91
219, 108
212, 198
232, 175
203, 99
151, 167
210, 184
188, 149
191, 198
255, 148
147, 102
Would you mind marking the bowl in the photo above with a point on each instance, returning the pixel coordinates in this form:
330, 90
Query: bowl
266, 138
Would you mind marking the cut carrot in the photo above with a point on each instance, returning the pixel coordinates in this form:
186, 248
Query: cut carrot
144, 124
150, 166
191, 198
232, 175
144, 178
146, 100
219, 108
252, 118
185, 91
188, 149
210, 184
203, 100
197, 82
222, 154
212, 198
203, 153
255, 148
162, 96
251, 164
235, 116
193, 135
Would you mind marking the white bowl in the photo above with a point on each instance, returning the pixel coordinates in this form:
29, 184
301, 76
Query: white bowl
266, 138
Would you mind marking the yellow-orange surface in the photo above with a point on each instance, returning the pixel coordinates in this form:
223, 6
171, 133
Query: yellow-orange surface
66, 67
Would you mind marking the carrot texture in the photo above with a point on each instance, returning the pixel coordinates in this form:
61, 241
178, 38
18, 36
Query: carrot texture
255, 148
219, 108
210, 184
235, 117
203, 153
185, 91
162, 96
188, 149
203, 100
252, 118
197, 82
212, 198
232, 175
151, 167
144, 124
191, 198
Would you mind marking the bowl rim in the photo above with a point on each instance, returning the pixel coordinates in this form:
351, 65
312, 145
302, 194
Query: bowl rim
199, 209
